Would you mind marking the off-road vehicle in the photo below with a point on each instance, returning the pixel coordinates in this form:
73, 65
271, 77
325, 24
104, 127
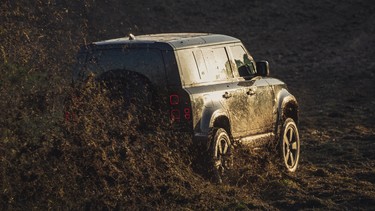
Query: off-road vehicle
212, 87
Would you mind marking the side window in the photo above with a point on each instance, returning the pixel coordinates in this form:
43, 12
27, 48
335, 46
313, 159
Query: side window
244, 63
204, 65
217, 64
222, 63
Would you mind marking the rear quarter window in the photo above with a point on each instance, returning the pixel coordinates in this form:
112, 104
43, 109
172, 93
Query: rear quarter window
189, 71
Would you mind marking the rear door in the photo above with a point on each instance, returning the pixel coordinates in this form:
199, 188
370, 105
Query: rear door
207, 73
226, 87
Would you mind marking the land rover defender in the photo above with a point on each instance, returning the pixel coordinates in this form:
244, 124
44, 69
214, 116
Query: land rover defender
212, 87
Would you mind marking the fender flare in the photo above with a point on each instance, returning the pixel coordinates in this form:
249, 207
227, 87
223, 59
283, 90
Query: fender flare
209, 115
284, 99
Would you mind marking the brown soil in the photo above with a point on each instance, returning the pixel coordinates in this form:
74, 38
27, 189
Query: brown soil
323, 50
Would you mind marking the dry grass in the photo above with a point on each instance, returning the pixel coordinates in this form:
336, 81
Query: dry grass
105, 158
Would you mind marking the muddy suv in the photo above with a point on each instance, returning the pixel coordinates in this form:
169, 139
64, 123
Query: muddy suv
211, 85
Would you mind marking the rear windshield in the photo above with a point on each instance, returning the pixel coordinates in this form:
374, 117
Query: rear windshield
146, 61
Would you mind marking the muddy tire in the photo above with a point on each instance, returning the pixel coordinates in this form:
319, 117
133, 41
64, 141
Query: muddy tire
290, 145
221, 154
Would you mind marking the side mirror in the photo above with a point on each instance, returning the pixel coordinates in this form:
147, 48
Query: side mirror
263, 68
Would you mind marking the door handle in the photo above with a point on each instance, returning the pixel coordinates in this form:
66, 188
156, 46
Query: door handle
252, 91
227, 95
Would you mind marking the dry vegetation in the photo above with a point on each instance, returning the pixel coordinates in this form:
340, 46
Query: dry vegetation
105, 159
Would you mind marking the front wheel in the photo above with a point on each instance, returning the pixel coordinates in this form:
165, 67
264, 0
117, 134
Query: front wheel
290, 145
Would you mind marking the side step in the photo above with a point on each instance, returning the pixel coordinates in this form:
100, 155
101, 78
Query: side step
257, 140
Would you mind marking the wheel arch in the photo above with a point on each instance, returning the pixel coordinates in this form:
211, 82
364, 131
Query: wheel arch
287, 108
290, 109
219, 119
222, 121
214, 116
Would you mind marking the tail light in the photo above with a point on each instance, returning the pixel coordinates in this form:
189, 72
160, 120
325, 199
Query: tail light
180, 109
175, 115
174, 99
187, 113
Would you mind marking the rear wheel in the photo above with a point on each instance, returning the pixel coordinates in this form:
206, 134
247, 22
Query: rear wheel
221, 154
290, 145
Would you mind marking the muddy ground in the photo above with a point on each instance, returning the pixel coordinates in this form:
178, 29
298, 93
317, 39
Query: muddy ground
324, 51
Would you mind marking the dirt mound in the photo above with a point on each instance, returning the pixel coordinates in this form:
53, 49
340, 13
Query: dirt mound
321, 49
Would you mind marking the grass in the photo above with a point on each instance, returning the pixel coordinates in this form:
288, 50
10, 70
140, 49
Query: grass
103, 160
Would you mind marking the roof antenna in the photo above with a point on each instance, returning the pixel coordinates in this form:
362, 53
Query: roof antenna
131, 36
